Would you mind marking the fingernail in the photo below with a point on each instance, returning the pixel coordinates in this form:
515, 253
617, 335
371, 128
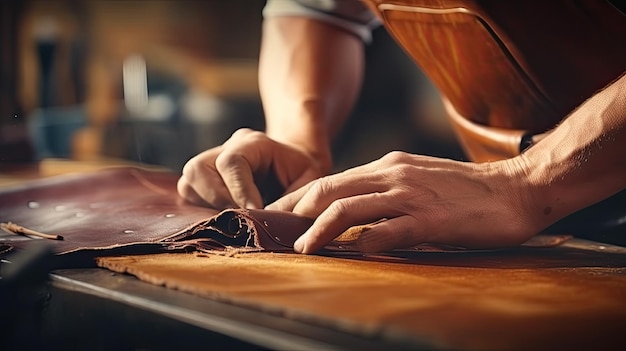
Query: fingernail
298, 246
251, 206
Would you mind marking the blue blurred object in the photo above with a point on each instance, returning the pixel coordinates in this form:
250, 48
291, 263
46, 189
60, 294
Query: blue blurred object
51, 130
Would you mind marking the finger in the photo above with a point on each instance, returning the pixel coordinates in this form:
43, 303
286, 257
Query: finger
395, 233
201, 184
341, 215
323, 192
289, 201
237, 175
204, 188
186, 191
302, 185
313, 198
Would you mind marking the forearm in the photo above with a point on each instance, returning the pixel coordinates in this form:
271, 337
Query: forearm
583, 160
309, 75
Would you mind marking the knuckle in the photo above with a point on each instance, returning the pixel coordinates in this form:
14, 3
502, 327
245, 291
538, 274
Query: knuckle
322, 186
241, 133
339, 208
395, 157
189, 170
246, 135
229, 162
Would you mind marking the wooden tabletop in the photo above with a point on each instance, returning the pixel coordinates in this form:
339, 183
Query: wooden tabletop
17, 174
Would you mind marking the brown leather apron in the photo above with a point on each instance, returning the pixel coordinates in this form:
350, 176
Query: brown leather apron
511, 70
506, 68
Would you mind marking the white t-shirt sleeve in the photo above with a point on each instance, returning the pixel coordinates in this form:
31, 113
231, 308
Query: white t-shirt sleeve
350, 15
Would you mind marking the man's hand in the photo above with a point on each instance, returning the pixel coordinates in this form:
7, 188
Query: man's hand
423, 199
230, 175
431, 200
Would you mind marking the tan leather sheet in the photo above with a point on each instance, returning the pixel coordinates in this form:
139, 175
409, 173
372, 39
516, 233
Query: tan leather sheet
513, 299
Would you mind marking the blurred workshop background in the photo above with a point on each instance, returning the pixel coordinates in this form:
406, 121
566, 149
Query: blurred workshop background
156, 82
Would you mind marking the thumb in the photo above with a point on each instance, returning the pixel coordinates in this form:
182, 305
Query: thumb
294, 192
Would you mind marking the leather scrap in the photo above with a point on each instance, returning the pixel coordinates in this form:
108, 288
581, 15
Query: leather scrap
131, 210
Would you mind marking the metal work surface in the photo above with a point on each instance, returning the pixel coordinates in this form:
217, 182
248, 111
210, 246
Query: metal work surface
264, 330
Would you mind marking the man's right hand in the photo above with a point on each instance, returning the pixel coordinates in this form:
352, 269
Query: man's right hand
230, 175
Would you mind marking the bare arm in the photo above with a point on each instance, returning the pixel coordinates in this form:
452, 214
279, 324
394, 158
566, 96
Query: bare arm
310, 74
583, 160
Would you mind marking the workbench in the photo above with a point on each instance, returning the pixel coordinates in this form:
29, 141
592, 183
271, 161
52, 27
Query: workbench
564, 297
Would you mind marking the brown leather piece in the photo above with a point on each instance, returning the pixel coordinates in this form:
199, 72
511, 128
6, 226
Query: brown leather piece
100, 210
123, 207
522, 298
130, 207
131, 210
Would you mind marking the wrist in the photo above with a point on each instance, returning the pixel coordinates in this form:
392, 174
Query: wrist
302, 124
547, 190
526, 194
316, 149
